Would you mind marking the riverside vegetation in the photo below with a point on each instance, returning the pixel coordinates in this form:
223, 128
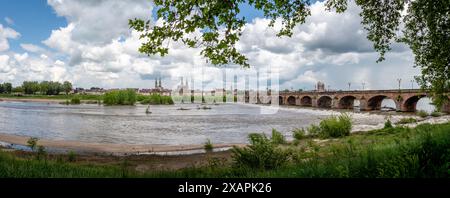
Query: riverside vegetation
393, 152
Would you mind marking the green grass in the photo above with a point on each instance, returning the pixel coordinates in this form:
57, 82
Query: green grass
406, 121
336, 126
54, 97
299, 134
436, 114
208, 146
422, 114
396, 152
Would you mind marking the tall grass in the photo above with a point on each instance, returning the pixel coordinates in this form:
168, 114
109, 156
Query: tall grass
422, 114
397, 152
262, 153
336, 126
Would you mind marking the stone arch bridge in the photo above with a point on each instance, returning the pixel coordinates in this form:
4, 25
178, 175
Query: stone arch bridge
405, 99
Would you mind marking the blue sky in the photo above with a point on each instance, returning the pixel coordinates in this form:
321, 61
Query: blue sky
90, 44
34, 20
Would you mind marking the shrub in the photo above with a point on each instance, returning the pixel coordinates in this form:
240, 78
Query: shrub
32, 143
435, 114
388, 124
260, 154
41, 152
406, 121
75, 101
71, 156
277, 137
313, 130
208, 146
335, 126
422, 113
299, 134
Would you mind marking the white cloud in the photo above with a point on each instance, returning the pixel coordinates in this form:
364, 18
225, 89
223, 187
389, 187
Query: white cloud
5, 34
4, 64
100, 21
32, 48
97, 48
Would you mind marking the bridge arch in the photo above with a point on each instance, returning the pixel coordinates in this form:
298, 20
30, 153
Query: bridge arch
374, 103
410, 103
291, 100
306, 101
325, 102
347, 102
280, 100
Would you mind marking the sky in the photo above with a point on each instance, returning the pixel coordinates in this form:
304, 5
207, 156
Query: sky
90, 44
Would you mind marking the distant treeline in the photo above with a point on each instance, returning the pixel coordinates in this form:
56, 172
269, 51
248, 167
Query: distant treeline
35, 87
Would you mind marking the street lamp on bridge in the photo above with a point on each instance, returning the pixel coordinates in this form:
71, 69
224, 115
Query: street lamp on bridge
399, 83
349, 84
363, 84
412, 84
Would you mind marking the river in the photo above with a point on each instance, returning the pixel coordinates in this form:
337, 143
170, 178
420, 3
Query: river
166, 125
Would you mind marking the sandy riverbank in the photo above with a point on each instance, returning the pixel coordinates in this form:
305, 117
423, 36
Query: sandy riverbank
115, 149
32, 100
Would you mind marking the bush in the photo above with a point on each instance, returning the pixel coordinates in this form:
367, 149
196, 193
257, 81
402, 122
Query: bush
32, 143
277, 137
388, 124
75, 101
208, 146
407, 121
299, 134
435, 114
120, 97
422, 114
71, 156
313, 130
41, 152
260, 154
335, 126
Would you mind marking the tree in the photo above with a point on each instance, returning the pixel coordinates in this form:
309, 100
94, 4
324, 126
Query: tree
30, 87
44, 87
7, 88
67, 87
426, 30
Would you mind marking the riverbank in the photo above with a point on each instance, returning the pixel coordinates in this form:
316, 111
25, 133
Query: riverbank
63, 146
390, 152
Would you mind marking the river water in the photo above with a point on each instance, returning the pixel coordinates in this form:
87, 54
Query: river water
166, 125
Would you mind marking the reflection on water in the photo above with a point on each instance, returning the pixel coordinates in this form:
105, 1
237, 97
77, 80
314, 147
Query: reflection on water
166, 125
